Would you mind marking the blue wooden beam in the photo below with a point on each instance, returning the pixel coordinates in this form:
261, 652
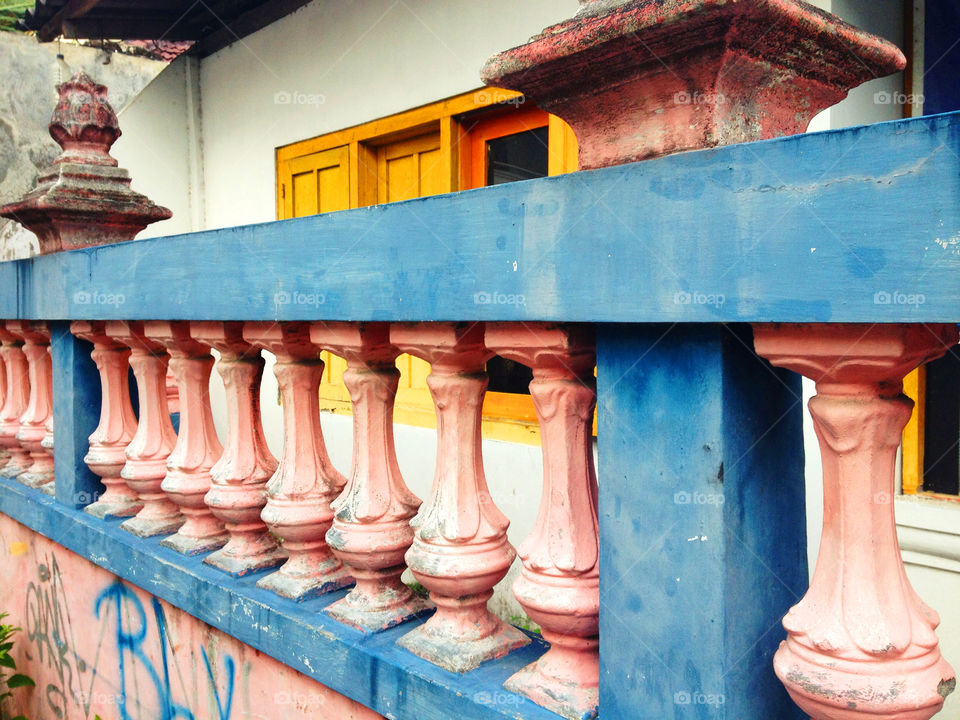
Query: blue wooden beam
702, 522
76, 413
854, 225
370, 669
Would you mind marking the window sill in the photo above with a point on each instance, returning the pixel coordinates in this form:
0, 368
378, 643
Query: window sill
929, 531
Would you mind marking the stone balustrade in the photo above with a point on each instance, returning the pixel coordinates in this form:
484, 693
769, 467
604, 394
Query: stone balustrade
860, 645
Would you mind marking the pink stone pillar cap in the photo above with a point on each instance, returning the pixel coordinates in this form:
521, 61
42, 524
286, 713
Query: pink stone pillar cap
83, 199
742, 70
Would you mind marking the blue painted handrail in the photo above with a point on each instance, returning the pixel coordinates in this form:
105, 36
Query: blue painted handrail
854, 225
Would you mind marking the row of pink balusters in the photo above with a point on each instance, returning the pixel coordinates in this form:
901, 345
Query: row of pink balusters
363, 530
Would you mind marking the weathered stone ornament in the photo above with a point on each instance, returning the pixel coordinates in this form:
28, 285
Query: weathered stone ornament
238, 480
108, 443
151, 445
559, 585
14, 401
860, 644
83, 199
371, 528
640, 78
39, 409
197, 448
460, 549
305, 484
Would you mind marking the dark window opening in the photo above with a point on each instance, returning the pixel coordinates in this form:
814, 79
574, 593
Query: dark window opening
521, 156
941, 433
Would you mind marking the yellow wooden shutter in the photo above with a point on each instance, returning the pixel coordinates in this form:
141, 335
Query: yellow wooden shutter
316, 183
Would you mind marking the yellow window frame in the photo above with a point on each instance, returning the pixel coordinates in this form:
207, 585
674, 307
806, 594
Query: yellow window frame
367, 147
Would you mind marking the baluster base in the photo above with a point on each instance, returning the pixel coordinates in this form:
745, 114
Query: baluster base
566, 697
243, 555
151, 526
18, 464
293, 580
49, 489
193, 544
35, 479
111, 507
379, 605
118, 498
463, 634
911, 689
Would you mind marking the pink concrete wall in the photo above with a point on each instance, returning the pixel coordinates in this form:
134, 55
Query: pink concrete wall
156, 662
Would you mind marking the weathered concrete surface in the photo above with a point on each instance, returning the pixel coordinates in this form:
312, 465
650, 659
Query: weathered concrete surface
686, 74
29, 73
149, 660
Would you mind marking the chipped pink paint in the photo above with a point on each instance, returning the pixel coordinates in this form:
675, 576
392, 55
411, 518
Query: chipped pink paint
559, 584
645, 78
460, 549
371, 529
39, 409
55, 602
108, 442
150, 447
861, 644
83, 198
300, 493
14, 402
197, 448
238, 480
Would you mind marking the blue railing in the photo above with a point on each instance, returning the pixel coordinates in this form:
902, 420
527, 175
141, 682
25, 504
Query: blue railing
670, 259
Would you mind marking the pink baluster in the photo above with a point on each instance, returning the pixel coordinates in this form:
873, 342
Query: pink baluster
147, 452
173, 395
238, 480
371, 529
861, 644
460, 549
47, 443
197, 448
108, 442
33, 422
15, 401
305, 483
559, 585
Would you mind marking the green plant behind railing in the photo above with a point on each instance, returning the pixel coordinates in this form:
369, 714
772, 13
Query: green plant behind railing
11, 11
9, 682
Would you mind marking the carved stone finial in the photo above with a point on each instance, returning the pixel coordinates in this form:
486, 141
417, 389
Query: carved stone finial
642, 78
83, 198
84, 123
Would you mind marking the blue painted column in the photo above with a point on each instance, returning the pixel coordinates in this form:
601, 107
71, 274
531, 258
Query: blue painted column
76, 413
702, 522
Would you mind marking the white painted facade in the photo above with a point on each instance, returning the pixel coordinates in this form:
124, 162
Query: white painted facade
201, 139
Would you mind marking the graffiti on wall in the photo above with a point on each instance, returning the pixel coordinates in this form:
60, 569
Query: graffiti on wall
134, 665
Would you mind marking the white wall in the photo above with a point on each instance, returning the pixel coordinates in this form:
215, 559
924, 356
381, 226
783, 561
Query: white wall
162, 162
